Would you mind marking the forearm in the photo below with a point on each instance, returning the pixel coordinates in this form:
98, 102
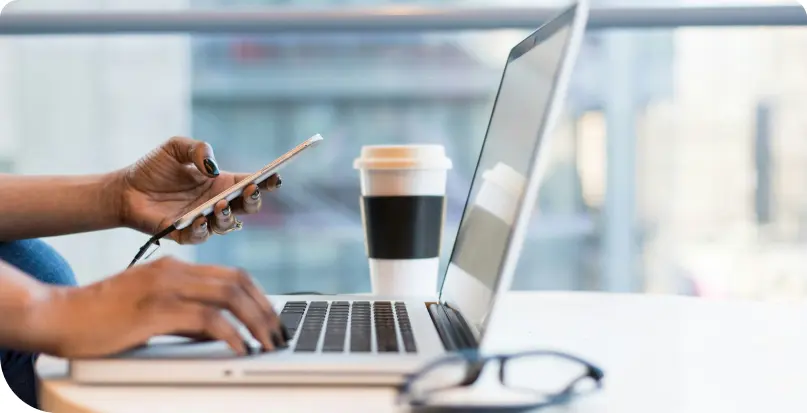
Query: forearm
21, 299
43, 206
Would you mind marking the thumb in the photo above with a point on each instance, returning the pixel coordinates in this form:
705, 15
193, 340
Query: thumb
187, 150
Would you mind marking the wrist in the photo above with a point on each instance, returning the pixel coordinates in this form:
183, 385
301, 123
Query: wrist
113, 201
45, 317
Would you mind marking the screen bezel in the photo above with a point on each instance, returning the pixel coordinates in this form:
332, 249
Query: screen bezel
574, 16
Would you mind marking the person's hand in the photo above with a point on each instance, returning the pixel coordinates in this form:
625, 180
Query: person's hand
163, 297
176, 177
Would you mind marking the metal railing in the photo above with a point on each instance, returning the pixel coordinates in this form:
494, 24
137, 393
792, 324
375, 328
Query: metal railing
404, 19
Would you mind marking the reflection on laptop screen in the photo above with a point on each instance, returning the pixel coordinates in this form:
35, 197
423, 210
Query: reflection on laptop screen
505, 162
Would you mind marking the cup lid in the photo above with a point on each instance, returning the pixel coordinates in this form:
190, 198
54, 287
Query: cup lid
403, 157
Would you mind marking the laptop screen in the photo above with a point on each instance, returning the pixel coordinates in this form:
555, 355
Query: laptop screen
505, 162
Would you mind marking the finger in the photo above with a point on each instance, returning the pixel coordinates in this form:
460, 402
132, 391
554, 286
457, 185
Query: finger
280, 334
273, 182
239, 204
215, 325
255, 293
269, 184
197, 233
210, 286
251, 200
223, 216
197, 319
187, 150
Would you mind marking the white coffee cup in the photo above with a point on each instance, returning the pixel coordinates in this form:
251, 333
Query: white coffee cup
403, 204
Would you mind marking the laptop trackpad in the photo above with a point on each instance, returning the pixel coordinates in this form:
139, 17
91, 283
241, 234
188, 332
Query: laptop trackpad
170, 347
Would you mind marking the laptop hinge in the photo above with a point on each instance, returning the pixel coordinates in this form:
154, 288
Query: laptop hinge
454, 331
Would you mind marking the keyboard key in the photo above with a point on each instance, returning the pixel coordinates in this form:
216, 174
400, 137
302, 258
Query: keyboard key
384, 320
331, 322
291, 321
360, 328
405, 327
292, 314
409, 343
335, 330
312, 327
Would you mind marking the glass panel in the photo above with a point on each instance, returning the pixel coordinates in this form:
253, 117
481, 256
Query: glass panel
671, 174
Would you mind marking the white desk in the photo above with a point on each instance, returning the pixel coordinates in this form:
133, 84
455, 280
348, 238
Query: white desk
659, 353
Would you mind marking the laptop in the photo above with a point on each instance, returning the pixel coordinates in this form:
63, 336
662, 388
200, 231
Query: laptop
375, 340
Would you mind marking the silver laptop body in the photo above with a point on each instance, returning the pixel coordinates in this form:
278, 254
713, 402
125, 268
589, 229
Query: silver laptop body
373, 340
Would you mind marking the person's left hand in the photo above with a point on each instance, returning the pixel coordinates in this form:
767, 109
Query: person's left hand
176, 177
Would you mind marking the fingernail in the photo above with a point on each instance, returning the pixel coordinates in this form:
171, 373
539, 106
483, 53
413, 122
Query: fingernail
211, 167
226, 211
248, 348
279, 182
256, 195
285, 331
203, 226
278, 341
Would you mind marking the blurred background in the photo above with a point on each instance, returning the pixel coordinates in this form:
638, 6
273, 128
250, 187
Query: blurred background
681, 167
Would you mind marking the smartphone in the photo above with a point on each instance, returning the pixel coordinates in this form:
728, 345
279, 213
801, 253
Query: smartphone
236, 190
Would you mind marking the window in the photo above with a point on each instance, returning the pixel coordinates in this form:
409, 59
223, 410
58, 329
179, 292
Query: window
711, 134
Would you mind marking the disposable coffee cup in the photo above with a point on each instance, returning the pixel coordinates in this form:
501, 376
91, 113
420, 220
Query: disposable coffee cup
403, 205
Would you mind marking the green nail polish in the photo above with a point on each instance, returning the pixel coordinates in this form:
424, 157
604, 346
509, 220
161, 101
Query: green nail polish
211, 167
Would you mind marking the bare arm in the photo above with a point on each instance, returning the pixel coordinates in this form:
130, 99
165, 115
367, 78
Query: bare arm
166, 296
20, 298
43, 206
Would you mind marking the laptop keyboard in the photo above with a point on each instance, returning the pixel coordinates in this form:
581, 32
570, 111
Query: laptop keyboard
355, 327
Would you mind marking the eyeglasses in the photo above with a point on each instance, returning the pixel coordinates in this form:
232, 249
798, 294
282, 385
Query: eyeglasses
537, 378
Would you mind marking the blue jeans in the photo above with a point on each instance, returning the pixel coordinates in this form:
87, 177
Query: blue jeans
41, 261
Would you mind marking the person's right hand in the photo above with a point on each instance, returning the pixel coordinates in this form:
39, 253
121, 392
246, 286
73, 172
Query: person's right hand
162, 297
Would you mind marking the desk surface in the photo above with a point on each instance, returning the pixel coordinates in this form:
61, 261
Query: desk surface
659, 353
